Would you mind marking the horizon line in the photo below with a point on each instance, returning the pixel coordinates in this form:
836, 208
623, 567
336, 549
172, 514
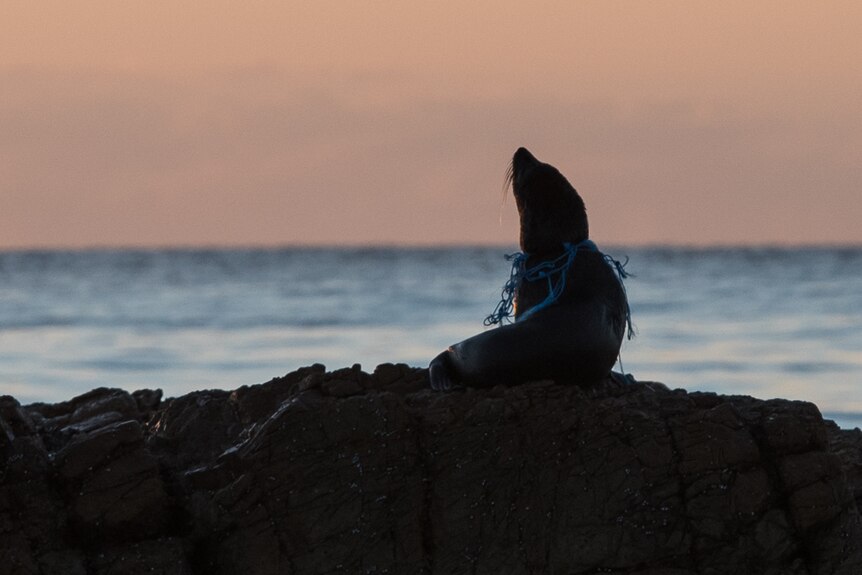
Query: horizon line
263, 246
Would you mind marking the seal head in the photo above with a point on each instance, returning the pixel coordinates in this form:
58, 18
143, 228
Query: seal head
550, 209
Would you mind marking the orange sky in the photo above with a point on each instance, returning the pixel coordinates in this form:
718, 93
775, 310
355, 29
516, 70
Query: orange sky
269, 123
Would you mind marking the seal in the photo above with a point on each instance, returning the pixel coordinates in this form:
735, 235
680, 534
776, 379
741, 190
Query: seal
568, 299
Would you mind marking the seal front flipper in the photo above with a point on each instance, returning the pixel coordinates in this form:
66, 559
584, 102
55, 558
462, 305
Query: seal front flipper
440, 372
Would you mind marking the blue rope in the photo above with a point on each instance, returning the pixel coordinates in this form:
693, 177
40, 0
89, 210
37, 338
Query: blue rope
506, 307
554, 272
622, 274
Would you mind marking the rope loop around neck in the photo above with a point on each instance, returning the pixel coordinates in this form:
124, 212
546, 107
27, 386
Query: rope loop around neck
554, 272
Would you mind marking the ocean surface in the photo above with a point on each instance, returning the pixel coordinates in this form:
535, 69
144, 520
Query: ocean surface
761, 322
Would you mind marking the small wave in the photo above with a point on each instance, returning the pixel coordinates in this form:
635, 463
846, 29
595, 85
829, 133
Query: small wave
819, 367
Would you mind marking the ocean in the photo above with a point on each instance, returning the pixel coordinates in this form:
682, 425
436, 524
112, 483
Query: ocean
765, 322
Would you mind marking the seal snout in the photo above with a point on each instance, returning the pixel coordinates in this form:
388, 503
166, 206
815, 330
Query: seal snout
522, 163
523, 159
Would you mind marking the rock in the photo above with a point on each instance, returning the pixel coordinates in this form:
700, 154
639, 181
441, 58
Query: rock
88, 450
847, 445
16, 421
85, 413
195, 428
32, 518
156, 557
351, 472
147, 400
399, 378
257, 402
113, 486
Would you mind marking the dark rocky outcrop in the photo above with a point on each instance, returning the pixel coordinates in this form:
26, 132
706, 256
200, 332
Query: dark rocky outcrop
349, 472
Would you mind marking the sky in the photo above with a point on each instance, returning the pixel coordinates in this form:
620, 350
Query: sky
273, 123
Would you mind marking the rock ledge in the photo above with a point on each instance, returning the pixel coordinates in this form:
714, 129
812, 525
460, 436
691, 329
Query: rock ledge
350, 472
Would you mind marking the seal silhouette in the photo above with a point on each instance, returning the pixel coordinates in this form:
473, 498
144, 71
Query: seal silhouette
569, 303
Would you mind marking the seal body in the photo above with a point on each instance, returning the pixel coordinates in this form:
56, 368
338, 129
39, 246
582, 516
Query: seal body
575, 338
